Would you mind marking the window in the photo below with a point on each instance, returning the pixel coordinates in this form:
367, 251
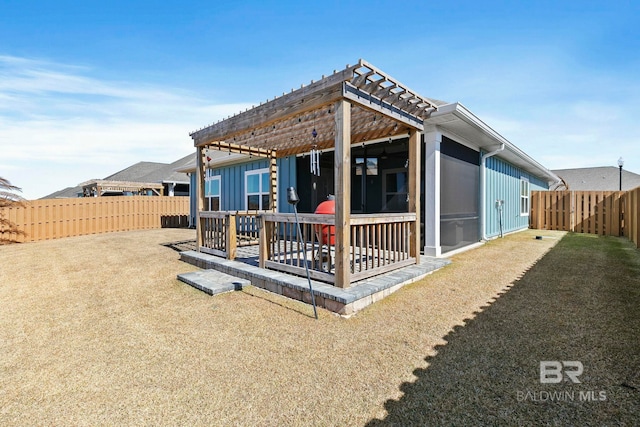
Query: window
370, 164
212, 190
395, 190
524, 197
256, 185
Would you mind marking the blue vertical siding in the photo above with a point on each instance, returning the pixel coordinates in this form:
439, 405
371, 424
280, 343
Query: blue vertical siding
502, 180
286, 179
232, 182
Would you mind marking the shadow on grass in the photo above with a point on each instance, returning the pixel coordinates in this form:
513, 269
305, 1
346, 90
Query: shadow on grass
181, 245
580, 302
281, 301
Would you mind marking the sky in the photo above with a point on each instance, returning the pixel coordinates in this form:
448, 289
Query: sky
89, 88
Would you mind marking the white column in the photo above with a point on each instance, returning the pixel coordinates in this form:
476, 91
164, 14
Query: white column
432, 140
200, 174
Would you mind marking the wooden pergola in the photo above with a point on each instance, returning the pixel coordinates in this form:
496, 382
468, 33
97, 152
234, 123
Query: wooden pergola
101, 187
352, 106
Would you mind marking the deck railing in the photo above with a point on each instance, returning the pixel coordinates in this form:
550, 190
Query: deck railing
218, 237
224, 231
247, 228
379, 243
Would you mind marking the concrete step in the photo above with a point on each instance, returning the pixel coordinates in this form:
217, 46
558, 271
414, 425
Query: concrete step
213, 282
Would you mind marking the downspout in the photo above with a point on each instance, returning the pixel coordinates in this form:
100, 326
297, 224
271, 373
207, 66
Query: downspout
483, 189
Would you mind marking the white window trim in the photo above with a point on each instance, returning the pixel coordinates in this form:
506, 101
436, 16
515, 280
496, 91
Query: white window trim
246, 192
527, 197
210, 177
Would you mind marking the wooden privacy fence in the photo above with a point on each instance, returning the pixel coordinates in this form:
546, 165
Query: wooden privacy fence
607, 213
55, 218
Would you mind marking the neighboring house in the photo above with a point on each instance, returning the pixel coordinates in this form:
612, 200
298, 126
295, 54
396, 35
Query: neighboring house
603, 178
474, 184
213, 189
66, 193
142, 178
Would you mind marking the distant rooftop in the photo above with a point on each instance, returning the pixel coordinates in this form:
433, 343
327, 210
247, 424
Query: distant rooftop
141, 172
603, 178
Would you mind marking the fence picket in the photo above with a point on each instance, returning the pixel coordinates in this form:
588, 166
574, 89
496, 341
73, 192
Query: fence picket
55, 218
606, 213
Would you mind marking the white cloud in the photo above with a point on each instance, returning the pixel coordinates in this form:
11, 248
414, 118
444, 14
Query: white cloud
62, 127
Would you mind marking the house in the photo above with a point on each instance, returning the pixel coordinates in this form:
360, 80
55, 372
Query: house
603, 178
142, 178
409, 174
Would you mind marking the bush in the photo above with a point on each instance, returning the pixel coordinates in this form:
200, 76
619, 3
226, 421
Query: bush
8, 198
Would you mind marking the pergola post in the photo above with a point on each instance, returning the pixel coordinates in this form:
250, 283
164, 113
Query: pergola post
200, 199
414, 192
273, 181
342, 171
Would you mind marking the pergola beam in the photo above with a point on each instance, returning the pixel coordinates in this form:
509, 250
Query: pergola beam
240, 149
320, 93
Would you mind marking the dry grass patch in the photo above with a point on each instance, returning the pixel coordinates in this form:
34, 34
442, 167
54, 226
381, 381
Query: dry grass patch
97, 330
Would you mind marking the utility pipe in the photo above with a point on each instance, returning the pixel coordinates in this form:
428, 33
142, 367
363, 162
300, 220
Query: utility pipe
483, 189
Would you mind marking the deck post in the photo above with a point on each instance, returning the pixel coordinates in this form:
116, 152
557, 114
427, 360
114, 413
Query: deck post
200, 199
264, 240
414, 193
342, 171
230, 232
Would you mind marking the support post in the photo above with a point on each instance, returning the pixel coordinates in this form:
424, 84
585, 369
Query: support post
230, 231
273, 179
200, 173
265, 236
414, 193
432, 141
342, 171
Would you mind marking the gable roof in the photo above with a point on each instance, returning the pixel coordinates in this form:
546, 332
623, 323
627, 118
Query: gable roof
66, 193
135, 172
602, 178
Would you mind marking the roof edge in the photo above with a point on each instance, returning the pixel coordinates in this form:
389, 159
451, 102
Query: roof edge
461, 112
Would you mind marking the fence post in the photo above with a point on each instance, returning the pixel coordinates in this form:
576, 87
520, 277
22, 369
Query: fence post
533, 218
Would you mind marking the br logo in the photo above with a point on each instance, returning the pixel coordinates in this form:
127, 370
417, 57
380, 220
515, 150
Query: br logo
551, 371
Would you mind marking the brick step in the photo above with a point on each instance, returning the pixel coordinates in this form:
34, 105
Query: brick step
213, 282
